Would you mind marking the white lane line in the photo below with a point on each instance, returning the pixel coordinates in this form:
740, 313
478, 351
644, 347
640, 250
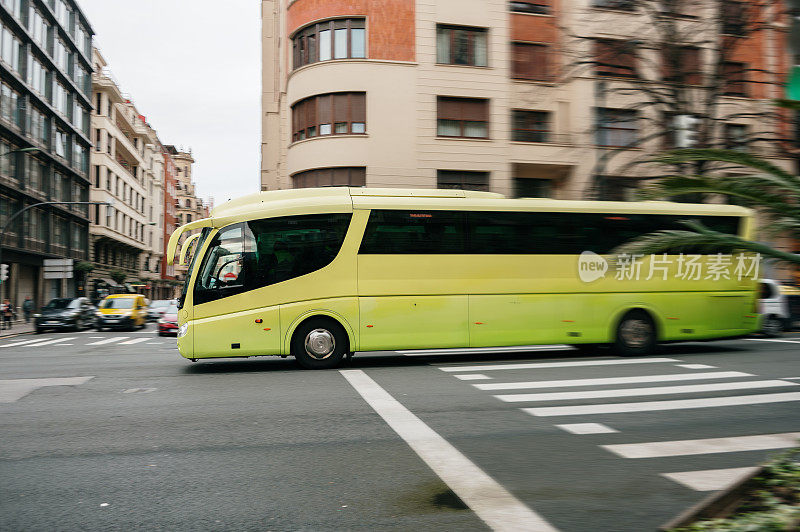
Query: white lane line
59, 345
660, 449
108, 340
652, 406
14, 389
587, 428
95, 337
155, 343
134, 341
633, 392
498, 508
48, 342
773, 340
711, 479
544, 365
695, 366
486, 350
472, 377
39, 339
790, 378
611, 380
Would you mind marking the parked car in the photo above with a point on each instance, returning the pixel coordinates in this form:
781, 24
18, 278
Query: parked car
168, 323
122, 311
156, 308
773, 305
74, 313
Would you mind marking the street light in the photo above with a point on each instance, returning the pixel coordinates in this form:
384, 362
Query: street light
16, 214
20, 150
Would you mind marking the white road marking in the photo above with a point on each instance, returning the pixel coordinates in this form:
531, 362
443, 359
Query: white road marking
14, 389
472, 377
95, 337
108, 340
155, 343
39, 339
59, 345
711, 479
695, 366
660, 449
498, 508
544, 365
486, 350
790, 378
652, 406
633, 392
610, 380
134, 341
587, 428
48, 342
140, 390
772, 340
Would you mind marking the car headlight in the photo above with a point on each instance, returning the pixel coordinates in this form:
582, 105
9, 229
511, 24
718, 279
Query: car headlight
98, 313
183, 329
37, 315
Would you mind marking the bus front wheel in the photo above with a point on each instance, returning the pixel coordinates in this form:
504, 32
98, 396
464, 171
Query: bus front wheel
636, 334
319, 343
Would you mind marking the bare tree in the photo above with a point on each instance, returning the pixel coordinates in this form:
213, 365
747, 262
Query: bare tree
684, 68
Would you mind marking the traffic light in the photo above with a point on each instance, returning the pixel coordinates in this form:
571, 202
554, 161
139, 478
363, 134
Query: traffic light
686, 131
3, 272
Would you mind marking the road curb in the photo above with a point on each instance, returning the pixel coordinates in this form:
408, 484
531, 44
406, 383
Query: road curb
718, 504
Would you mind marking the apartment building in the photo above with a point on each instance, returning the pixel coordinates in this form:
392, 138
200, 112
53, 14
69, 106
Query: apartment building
45, 100
542, 98
188, 206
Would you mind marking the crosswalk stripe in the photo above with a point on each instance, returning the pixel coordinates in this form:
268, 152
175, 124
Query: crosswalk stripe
660, 449
632, 392
108, 340
48, 342
134, 341
711, 479
651, 406
472, 377
544, 365
611, 380
25, 342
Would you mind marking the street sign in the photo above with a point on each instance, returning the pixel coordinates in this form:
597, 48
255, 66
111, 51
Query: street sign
58, 268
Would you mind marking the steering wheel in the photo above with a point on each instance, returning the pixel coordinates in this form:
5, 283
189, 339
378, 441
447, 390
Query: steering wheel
219, 270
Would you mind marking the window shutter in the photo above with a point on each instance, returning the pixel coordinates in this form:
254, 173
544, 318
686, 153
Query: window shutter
340, 107
324, 109
359, 107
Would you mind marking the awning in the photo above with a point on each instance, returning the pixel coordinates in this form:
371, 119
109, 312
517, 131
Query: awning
111, 282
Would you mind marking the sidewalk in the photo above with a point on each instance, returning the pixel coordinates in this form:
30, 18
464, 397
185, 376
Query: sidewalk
17, 327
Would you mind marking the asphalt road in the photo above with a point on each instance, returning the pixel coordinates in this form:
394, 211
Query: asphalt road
139, 438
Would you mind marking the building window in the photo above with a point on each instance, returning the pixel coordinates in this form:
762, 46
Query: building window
340, 113
615, 58
734, 17
537, 7
736, 136
9, 105
37, 26
60, 98
344, 176
462, 180
461, 45
531, 126
530, 61
682, 64
616, 127
622, 5
61, 56
37, 76
462, 117
332, 39
526, 187
13, 6
734, 79
8, 163
37, 175
9, 48
38, 125
61, 143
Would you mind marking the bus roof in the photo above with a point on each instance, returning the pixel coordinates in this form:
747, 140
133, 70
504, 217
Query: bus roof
345, 199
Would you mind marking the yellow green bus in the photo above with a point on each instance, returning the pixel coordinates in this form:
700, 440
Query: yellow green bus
319, 274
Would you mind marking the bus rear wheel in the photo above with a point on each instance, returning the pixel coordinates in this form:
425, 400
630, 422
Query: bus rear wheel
319, 343
636, 335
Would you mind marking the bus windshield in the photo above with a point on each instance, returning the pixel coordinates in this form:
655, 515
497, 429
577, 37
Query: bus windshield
197, 246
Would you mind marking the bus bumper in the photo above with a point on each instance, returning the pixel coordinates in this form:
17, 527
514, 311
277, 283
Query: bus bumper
185, 340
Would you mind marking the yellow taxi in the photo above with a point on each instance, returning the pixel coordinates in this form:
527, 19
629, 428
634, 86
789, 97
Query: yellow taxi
122, 311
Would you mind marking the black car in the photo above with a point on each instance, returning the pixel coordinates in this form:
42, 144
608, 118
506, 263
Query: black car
73, 313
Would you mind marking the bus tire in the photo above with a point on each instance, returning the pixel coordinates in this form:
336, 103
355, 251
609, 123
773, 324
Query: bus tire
772, 326
319, 343
635, 335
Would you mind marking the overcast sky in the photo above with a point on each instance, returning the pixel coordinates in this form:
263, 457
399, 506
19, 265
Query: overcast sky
193, 68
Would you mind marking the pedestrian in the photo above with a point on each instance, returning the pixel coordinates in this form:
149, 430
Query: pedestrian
27, 308
7, 311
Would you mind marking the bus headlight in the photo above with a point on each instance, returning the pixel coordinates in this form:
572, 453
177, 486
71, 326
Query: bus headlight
182, 330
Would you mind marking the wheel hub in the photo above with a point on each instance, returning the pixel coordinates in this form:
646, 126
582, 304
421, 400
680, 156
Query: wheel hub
635, 333
320, 344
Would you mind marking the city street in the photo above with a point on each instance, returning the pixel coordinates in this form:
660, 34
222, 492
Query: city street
114, 430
